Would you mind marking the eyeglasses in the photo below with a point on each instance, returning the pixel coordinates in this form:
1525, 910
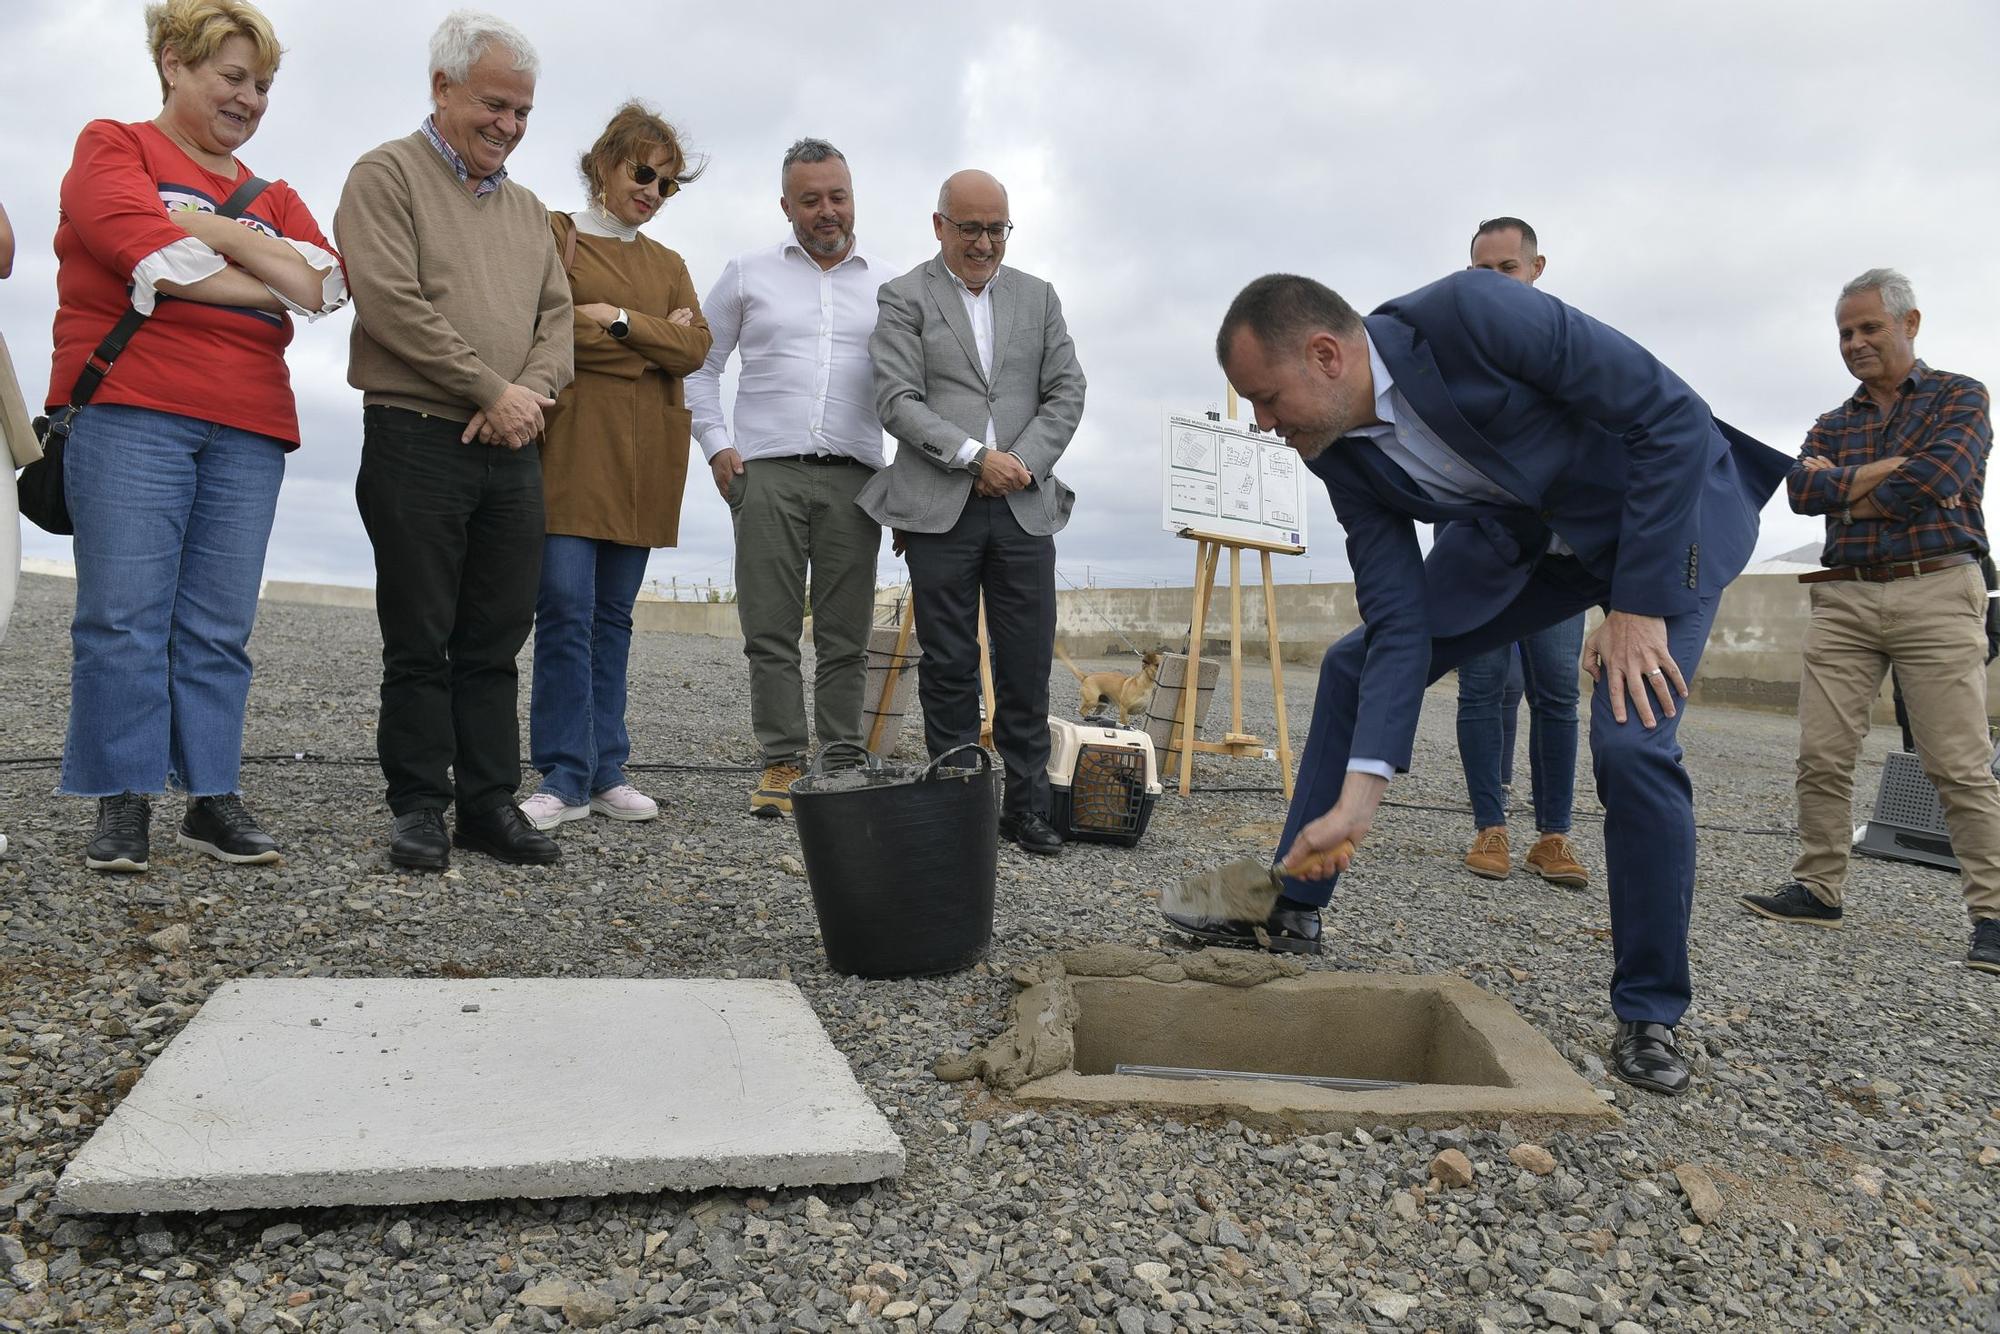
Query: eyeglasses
646, 175
999, 231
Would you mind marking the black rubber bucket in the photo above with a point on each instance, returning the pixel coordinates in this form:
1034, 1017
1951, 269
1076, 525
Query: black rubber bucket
901, 860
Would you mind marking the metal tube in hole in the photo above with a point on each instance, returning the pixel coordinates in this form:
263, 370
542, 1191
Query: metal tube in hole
1340, 1082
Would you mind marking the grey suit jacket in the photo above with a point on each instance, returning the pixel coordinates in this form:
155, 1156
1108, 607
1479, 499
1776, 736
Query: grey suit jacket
932, 397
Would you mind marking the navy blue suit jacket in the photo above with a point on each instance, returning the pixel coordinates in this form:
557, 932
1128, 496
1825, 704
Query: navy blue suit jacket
1602, 445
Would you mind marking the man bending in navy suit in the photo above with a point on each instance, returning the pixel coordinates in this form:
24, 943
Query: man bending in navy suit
1583, 472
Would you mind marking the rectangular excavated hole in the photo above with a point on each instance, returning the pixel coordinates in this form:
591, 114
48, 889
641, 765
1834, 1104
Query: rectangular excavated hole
1286, 1029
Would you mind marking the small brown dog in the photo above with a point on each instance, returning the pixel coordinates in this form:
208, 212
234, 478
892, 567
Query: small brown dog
1127, 694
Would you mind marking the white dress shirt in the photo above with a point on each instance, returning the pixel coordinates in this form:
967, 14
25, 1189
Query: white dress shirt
806, 384
1433, 465
979, 310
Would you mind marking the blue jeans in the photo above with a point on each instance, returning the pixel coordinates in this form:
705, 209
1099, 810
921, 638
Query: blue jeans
172, 517
1549, 661
583, 640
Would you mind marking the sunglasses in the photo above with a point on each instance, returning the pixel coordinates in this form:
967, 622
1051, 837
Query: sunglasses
646, 175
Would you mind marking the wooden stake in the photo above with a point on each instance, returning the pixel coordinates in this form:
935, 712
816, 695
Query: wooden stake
895, 672
1277, 677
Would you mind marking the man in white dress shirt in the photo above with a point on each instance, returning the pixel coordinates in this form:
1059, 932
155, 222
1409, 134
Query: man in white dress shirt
804, 439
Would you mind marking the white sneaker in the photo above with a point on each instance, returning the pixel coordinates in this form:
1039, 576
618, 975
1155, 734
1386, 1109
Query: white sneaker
625, 802
545, 810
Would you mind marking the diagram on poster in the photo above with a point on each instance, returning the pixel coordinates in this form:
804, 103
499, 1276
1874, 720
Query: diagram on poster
1221, 479
1279, 478
1194, 449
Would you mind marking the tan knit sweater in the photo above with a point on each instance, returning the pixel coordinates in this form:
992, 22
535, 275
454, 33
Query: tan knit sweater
455, 298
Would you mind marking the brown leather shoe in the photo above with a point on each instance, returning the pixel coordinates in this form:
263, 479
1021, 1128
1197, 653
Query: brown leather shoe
1553, 858
1490, 857
773, 793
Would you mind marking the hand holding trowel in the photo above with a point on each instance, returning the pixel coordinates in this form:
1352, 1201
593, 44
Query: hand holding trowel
1246, 889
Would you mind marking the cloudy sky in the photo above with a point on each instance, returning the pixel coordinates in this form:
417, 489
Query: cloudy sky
1704, 176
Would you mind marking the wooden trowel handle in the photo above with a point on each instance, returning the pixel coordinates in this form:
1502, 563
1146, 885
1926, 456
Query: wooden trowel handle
1318, 865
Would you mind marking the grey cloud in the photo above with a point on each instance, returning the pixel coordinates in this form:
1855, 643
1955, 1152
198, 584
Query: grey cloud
1704, 177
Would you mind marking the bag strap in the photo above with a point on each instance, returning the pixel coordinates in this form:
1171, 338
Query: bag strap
98, 364
569, 251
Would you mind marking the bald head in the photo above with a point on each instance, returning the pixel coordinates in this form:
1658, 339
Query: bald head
962, 188
971, 223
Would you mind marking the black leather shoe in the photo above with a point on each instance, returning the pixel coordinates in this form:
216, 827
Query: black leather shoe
120, 842
419, 841
1032, 833
1288, 930
223, 827
505, 833
1646, 1056
1985, 952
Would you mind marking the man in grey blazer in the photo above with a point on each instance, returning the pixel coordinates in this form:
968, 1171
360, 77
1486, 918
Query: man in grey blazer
976, 377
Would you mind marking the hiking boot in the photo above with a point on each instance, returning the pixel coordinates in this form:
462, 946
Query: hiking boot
120, 843
625, 802
1793, 903
1985, 952
773, 793
1490, 858
1553, 858
223, 827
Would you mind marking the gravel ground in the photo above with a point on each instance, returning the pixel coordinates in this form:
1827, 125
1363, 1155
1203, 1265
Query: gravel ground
1853, 1139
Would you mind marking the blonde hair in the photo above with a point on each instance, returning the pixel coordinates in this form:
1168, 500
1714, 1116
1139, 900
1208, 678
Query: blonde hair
634, 128
197, 29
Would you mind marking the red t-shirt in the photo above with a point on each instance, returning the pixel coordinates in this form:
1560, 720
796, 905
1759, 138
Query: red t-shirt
223, 364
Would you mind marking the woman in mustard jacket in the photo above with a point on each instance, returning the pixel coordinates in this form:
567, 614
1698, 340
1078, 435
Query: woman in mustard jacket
614, 462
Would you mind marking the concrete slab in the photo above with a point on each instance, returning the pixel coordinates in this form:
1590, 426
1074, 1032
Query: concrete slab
309, 1091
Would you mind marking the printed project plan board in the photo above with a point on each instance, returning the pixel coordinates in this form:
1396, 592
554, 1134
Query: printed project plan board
1222, 481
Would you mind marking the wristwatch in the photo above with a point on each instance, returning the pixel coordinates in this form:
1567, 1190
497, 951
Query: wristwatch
978, 464
619, 327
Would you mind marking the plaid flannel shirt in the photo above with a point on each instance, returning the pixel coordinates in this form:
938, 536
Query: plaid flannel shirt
1931, 505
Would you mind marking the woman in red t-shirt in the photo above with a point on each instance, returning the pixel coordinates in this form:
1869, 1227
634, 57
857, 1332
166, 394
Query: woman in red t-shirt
172, 469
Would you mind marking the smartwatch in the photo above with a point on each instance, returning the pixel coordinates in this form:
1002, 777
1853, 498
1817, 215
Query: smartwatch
619, 327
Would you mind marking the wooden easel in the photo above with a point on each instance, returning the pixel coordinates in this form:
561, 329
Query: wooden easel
895, 672
1235, 742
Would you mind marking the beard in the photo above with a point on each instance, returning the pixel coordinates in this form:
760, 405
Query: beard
810, 239
1311, 436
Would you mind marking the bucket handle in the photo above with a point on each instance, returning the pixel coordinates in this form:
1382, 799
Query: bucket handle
870, 760
930, 773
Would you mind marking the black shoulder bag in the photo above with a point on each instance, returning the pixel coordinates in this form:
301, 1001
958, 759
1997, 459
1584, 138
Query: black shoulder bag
43, 500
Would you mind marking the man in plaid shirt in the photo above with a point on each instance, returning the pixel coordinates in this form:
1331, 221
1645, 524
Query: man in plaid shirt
1898, 470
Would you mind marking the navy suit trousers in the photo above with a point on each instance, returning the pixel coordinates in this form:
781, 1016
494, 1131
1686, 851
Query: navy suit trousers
1648, 800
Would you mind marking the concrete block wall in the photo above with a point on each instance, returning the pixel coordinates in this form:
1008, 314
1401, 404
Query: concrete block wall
1752, 660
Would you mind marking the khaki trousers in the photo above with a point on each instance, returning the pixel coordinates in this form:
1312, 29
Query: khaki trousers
792, 518
1932, 629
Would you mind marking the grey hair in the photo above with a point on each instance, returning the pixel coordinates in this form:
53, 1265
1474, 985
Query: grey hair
805, 150
465, 35
1898, 298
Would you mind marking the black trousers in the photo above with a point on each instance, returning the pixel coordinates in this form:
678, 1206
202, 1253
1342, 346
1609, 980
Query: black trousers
457, 531
988, 551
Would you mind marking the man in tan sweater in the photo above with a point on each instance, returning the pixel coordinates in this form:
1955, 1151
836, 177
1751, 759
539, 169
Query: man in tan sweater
461, 340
